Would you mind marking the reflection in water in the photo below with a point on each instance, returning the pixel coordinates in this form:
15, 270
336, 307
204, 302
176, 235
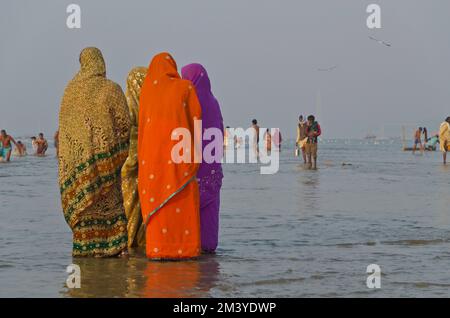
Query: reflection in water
444, 199
137, 277
309, 190
444, 168
108, 277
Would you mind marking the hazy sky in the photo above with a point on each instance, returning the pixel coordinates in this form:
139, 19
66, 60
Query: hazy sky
262, 57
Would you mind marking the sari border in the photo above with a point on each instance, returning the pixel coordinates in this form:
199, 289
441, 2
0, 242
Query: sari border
147, 219
92, 188
117, 149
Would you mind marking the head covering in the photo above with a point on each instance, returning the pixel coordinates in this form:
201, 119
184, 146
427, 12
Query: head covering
92, 63
210, 174
93, 145
168, 190
211, 114
136, 231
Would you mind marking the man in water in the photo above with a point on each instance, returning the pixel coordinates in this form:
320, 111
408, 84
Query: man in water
268, 141
313, 131
226, 136
6, 147
301, 137
256, 138
418, 139
444, 138
42, 145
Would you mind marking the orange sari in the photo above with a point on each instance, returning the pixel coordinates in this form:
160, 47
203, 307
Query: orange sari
168, 191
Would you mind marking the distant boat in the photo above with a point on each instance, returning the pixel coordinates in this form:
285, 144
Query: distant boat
370, 137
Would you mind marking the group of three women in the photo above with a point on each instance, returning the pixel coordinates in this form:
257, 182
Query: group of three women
119, 185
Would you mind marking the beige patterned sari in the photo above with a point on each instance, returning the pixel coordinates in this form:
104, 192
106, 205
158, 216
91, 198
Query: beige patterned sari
136, 230
94, 126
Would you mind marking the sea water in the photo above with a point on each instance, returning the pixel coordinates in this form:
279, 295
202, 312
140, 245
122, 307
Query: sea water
297, 233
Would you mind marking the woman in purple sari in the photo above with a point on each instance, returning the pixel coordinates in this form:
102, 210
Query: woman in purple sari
210, 174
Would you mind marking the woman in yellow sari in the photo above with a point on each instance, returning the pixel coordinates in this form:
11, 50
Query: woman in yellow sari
136, 230
444, 138
94, 128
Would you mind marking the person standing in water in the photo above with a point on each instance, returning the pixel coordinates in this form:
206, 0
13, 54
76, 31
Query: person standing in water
256, 128
42, 145
6, 147
268, 141
313, 131
255, 140
301, 136
167, 182
226, 136
444, 138
94, 128
210, 173
418, 140
34, 144
277, 139
425, 135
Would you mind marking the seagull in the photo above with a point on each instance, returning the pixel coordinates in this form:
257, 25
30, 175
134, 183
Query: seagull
327, 69
380, 41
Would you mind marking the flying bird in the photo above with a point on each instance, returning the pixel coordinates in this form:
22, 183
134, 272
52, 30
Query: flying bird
327, 69
380, 41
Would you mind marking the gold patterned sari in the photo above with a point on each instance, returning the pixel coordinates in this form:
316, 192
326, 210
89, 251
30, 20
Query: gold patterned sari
444, 136
136, 230
94, 126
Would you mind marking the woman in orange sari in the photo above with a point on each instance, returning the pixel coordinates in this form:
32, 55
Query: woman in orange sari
168, 188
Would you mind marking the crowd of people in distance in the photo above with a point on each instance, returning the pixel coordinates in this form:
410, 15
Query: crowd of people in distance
269, 138
425, 145
9, 146
442, 138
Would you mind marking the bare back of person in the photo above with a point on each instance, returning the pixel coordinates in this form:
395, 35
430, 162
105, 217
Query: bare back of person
6, 146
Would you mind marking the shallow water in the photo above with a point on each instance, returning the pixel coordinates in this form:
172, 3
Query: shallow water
297, 233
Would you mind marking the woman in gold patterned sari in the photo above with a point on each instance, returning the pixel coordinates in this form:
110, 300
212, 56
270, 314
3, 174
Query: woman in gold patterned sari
136, 230
94, 126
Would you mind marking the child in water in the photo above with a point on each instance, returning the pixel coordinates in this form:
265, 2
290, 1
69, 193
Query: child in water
20, 150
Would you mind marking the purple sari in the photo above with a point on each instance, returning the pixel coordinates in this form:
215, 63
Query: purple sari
209, 174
